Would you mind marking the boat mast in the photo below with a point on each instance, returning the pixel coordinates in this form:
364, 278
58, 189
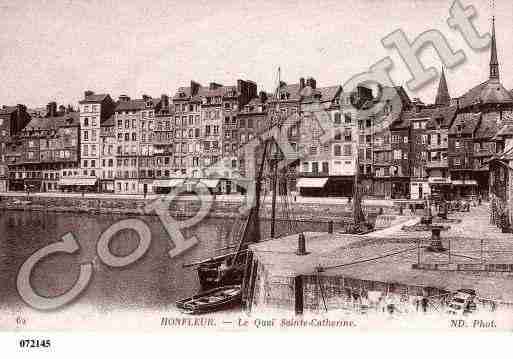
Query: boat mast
358, 215
251, 232
274, 162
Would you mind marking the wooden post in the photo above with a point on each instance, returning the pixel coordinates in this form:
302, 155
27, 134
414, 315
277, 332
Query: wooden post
418, 251
251, 284
301, 246
246, 279
449, 251
481, 251
298, 294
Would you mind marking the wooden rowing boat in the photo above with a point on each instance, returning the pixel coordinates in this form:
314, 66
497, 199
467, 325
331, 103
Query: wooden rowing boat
212, 300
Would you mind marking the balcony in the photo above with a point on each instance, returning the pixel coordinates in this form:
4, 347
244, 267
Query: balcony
437, 164
384, 147
481, 168
437, 146
483, 152
313, 174
382, 163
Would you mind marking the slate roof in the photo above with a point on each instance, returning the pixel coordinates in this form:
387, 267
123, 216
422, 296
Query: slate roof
108, 122
47, 123
94, 98
487, 129
447, 114
7, 110
294, 91
329, 93
136, 104
204, 91
489, 92
505, 131
467, 121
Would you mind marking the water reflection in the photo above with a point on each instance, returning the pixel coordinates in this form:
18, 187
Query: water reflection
153, 281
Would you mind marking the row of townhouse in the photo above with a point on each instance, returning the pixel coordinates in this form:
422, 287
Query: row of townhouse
397, 147
446, 147
154, 144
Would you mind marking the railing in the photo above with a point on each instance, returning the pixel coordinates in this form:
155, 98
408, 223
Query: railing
313, 174
385, 147
437, 146
437, 164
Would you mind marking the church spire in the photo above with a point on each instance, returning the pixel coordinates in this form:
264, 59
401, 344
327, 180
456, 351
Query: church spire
494, 63
442, 96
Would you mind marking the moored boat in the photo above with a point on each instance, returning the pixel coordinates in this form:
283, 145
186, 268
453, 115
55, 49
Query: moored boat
212, 300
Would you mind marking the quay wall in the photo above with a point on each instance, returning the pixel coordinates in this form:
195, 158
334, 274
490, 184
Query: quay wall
322, 292
318, 212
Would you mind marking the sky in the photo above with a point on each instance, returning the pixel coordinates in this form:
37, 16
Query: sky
55, 50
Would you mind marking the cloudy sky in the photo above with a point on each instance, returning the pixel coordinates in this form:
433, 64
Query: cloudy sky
54, 50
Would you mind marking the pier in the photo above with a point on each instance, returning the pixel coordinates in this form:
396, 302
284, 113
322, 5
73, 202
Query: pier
390, 265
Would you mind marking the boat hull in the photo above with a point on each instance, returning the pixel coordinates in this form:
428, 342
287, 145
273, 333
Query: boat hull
212, 274
212, 300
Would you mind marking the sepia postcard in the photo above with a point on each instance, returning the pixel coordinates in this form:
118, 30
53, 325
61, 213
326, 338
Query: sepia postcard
327, 166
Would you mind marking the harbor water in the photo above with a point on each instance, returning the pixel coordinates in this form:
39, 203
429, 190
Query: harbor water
153, 281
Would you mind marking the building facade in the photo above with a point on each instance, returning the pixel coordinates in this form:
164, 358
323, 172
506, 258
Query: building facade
94, 109
43, 149
12, 120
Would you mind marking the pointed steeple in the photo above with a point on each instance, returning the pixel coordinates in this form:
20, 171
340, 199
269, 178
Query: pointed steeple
442, 96
494, 63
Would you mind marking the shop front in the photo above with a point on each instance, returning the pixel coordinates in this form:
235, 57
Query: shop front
33, 185
400, 188
340, 186
4, 184
440, 187
107, 186
419, 189
88, 184
211, 184
165, 186
312, 187
464, 188
16, 185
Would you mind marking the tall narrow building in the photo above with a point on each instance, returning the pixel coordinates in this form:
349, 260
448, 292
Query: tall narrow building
442, 96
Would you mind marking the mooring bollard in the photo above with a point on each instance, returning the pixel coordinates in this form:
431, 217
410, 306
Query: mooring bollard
330, 227
301, 245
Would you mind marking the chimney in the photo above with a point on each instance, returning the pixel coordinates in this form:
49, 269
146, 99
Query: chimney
263, 96
146, 97
88, 93
311, 82
194, 88
20, 109
51, 109
241, 86
123, 98
214, 85
301, 83
62, 109
164, 101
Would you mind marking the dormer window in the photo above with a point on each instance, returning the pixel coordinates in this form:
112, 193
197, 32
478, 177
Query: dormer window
148, 104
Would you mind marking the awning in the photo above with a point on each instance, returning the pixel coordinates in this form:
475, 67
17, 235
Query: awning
439, 180
168, 183
312, 182
464, 182
77, 181
210, 183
